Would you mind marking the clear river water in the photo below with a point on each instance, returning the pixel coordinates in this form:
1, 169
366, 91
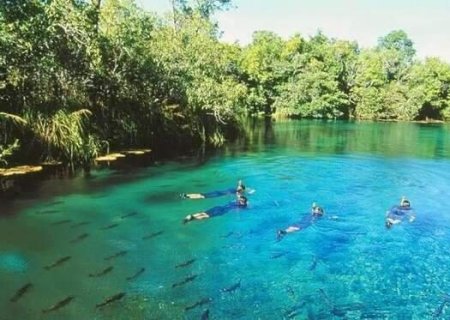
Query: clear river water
71, 244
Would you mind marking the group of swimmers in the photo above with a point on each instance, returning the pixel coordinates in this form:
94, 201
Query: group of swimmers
241, 202
395, 215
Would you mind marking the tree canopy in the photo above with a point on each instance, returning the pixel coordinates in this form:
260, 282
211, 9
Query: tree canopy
76, 76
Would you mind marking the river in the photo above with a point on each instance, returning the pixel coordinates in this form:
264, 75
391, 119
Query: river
83, 239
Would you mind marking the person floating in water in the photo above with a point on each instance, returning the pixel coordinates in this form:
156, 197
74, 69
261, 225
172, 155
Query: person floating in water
239, 190
241, 202
316, 213
399, 212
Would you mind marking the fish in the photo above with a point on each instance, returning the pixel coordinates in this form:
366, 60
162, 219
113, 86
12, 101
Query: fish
236, 246
47, 211
278, 255
229, 234
313, 265
129, 215
237, 235
58, 262
57, 223
374, 314
325, 297
20, 292
338, 312
205, 315
198, 303
117, 254
294, 310
155, 234
290, 291
111, 226
184, 281
101, 273
54, 203
79, 238
185, 264
232, 288
79, 224
438, 312
59, 304
137, 274
111, 299
292, 314
335, 311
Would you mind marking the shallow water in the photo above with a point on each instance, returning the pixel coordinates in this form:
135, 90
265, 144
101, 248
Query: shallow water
345, 266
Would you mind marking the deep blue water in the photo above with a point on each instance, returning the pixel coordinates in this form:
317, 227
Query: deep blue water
347, 265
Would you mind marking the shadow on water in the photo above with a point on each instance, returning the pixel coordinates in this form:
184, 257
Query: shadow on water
58, 181
322, 137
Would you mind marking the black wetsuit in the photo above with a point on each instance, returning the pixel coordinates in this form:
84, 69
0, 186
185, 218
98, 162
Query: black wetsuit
221, 210
219, 193
399, 212
306, 221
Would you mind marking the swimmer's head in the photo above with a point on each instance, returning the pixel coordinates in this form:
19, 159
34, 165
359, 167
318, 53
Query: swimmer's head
405, 202
240, 186
316, 210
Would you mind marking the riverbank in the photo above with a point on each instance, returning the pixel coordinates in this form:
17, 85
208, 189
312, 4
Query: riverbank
15, 180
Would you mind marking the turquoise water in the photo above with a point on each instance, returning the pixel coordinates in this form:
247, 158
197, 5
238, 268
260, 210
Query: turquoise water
345, 266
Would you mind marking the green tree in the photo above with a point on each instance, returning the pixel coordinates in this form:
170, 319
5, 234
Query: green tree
398, 40
142, 80
369, 85
429, 88
398, 52
318, 84
202, 86
204, 7
260, 62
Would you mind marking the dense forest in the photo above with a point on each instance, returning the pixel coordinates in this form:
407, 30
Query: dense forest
79, 77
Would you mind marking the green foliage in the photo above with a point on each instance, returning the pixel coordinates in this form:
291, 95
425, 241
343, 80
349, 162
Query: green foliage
206, 93
142, 80
260, 63
7, 151
398, 41
203, 7
62, 135
429, 85
368, 88
317, 85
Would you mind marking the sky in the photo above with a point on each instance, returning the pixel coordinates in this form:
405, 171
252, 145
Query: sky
427, 22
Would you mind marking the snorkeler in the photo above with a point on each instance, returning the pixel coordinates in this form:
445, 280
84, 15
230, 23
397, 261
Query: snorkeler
316, 213
239, 190
399, 212
241, 202
404, 203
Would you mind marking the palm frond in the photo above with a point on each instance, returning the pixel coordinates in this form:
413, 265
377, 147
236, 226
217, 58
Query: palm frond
14, 118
